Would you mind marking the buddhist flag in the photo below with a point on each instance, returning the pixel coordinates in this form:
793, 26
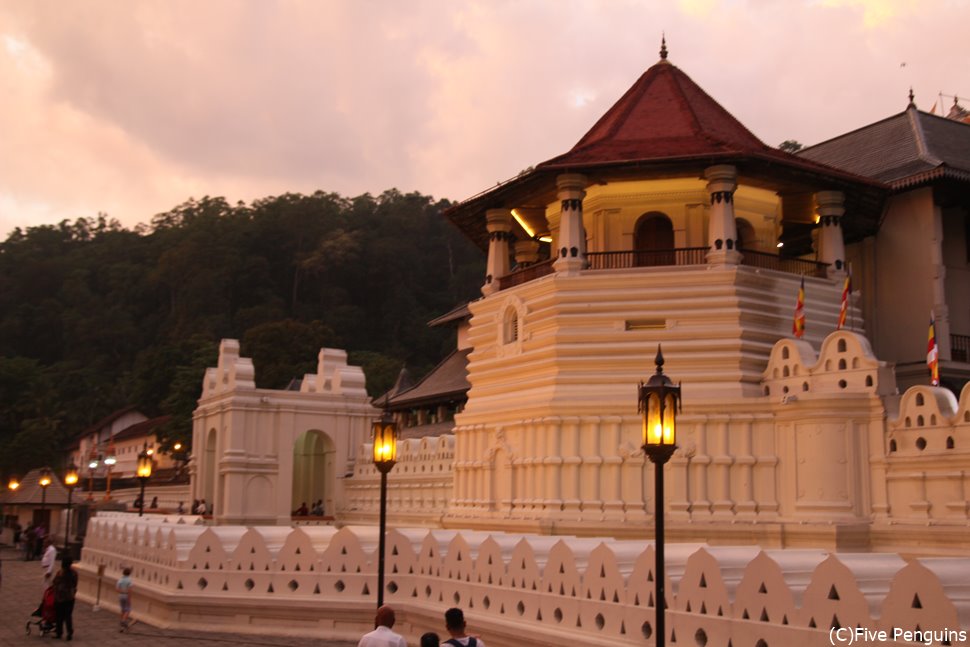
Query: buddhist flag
844, 308
798, 325
932, 355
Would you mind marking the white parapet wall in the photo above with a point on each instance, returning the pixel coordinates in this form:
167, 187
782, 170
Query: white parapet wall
516, 590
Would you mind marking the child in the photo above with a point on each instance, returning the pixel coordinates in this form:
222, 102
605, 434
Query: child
124, 600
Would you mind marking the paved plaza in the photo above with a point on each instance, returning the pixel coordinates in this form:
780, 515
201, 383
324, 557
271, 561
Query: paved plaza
20, 593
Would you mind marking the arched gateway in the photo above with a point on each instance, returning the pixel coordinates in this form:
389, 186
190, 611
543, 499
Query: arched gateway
260, 453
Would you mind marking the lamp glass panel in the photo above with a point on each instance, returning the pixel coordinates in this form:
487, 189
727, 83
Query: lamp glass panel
653, 431
144, 469
670, 420
385, 445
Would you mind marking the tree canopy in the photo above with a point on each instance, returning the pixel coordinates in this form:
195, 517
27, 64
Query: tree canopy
95, 317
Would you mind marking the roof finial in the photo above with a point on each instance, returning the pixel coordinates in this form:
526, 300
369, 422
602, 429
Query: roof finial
663, 46
911, 97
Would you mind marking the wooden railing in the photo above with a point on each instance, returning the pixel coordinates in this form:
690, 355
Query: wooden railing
767, 261
526, 274
960, 348
671, 257
647, 258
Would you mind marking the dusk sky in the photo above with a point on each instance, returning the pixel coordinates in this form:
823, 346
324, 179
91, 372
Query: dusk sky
130, 108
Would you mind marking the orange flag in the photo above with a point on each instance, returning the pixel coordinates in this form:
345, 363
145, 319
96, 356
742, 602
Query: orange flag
798, 325
844, 308
932, 354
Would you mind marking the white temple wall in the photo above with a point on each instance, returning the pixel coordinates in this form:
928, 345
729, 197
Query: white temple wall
516, 590
257, 452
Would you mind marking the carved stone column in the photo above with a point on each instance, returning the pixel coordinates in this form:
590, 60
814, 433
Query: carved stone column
722, 180
830, 207
499, 224
571, 244
526, 252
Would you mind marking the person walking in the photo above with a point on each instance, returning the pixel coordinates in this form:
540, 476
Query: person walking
49, 561
65, 588
123, 587
382, 636
455, 624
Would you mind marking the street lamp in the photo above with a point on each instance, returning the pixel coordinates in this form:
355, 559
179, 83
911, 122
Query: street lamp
178, 455
13, 484
109, 460
94, 461
70, 481
44, 481
385, 455
658, 403
143, 472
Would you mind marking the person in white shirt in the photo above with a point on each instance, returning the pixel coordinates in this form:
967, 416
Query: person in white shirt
455, 624
48, 561
382, 636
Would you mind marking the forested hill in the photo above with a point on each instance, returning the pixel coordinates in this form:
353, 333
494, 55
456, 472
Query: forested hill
95, 317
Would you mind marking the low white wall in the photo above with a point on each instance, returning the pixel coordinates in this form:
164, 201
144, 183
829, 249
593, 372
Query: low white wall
517, 590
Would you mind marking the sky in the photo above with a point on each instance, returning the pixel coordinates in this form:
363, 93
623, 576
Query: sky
130, 108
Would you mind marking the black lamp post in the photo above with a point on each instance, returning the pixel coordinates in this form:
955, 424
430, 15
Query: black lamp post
178, 455
143, 472
44, 481
385, 455
659, 401
70, 481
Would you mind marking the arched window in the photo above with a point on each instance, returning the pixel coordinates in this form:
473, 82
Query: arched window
510, 327
653, 240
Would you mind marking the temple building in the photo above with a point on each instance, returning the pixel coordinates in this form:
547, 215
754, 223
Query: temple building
520, 491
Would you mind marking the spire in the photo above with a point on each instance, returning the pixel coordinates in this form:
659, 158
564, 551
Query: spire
912, 97
663, 46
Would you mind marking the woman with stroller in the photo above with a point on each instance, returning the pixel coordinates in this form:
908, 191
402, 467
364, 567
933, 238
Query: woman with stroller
65, 587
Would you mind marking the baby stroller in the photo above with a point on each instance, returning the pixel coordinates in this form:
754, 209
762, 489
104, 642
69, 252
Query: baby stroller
43, 617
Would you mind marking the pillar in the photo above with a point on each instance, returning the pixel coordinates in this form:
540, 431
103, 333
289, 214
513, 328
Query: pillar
571, 244
526, 252
499, 224
722, 180
830, 207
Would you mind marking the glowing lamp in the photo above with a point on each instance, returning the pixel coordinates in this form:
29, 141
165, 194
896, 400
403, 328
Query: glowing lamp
659, 401
145, 464
71, 476
45, 478
385, 442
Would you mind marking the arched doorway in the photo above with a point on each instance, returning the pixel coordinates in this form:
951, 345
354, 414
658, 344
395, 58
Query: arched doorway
653, 240
313, 470
747, 238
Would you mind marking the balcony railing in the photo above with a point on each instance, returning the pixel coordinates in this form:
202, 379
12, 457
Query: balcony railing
672, 257
647, 258
960, 348
778, 263
526, 274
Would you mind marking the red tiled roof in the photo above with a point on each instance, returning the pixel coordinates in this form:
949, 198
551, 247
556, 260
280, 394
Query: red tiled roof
104, 422
665, 124
663, 115
141, 429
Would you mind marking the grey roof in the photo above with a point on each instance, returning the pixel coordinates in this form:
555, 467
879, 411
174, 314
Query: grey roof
31, 493
904, 150
456, 314
447, 380
403, 382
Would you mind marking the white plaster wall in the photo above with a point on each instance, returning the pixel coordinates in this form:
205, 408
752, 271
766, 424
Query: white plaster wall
515, 589
244, 437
